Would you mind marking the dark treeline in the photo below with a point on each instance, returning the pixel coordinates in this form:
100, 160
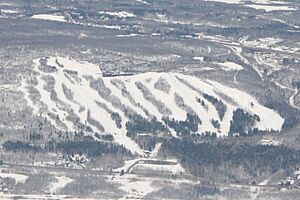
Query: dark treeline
184, 128
88, 147
243, 123
139, 124
219, 105
231, 160
17, 146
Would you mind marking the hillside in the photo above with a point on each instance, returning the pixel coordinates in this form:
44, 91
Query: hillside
76, 93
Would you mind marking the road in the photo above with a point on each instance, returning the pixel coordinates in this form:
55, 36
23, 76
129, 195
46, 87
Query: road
99, 172
57, 168
6, 64
260, 49
149, 161
292, 99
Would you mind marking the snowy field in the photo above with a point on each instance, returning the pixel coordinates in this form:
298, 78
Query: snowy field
50, 17
19, 178
267, 5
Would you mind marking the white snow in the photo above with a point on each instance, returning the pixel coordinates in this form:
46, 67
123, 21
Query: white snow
19, 178
227, 1
136, 187
45, 98
84, 68
269, 8
167, 99
155, 150
51, 17
197, 58
143, 2
269, 119
121, 14
138, 96
85, 96
6, 4
6, 11
267, 42
230, 66
115, 27
52, 106
211, 112
60, 183
130, 35
267, 5
171, 169
36, 197
119, 95
207, 69
189, 96
30, 103
292, 99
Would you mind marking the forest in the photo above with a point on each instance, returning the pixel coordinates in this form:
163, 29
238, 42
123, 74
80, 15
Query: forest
239, 161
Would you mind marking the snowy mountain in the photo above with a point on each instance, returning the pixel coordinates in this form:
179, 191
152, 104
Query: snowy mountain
72, 93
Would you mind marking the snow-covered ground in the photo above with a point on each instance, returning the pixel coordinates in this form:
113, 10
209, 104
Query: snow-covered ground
137, 187
19, 178
269, 119
26, 96
121, 14
50, 17
269, 8
267, 42
170, 169
230, 66
155, 150
134, 186
60, 183
292, 99
267, 5
143, 2
7, 11
131, 35
83, 96
197, 58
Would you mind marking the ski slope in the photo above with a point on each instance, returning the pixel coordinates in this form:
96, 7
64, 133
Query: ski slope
74, 92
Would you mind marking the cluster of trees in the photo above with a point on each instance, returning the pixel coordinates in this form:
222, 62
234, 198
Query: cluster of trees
149, 96
106, 94
138, 124
296, 84
147, 142
220, 106
162, 85
35, 136
117, 118
201, 101
20, 146
235, 160
215, 123
243, 122
85, 146
184, 128
200, 190
88, 147
106, 137
205, 190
